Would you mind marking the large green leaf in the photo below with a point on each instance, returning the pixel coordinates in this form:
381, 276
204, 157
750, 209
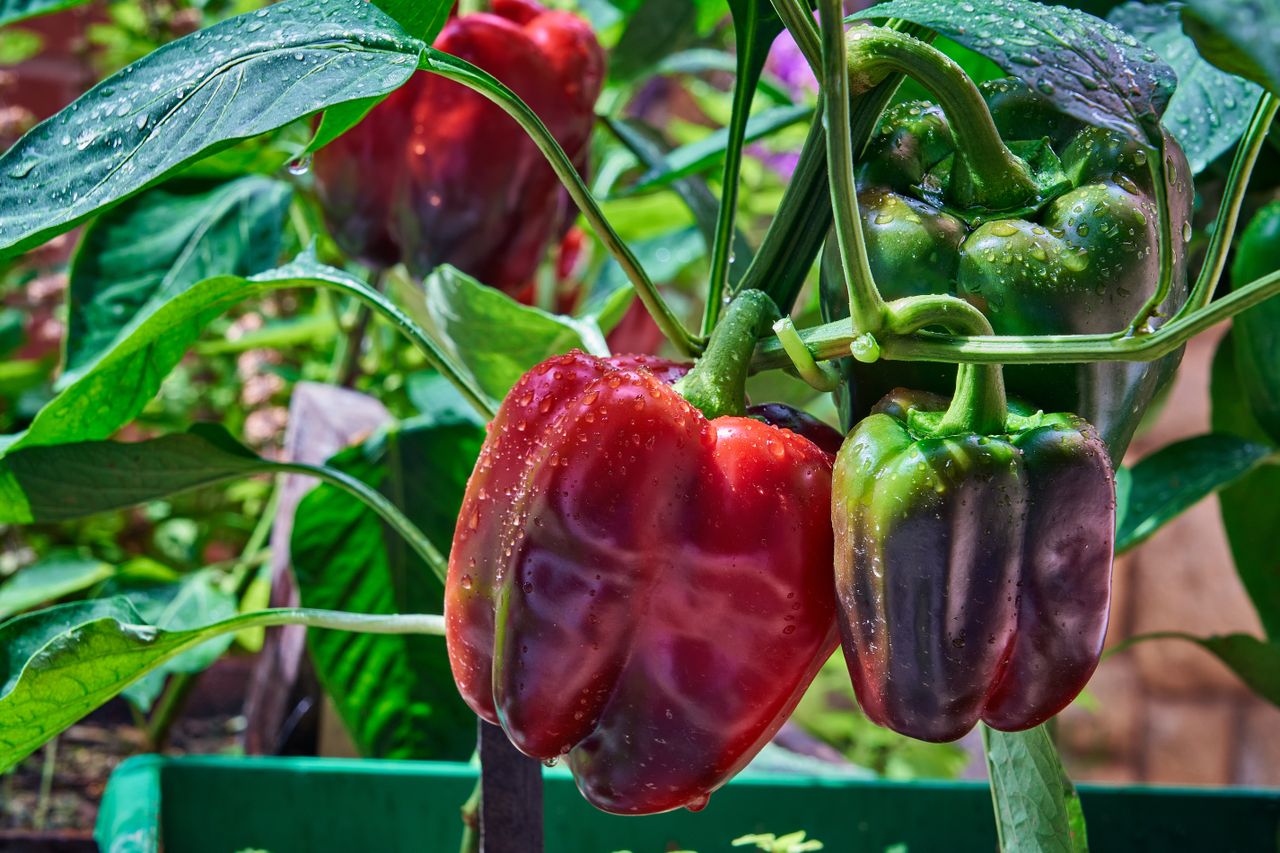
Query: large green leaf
1090, 69
1256, 332
422, 19
1210, 108
58, 664
1037, 808
1250, 511
490, 335
1179, 475
193, 602
1239, 36
104, 394
56, 575
59, 482
245, 76
160, 243
395, 694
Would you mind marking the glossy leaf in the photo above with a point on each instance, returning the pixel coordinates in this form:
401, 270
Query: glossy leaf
1256, 662
1239, 36
57, 665
1089, 68
489, 334
245, 76
1037, 808
1210, 109
1176, 477
709, 150
59, 482
105, 394
57, 575
1256, 332
395, 694
422, 19
17, 10
1250, 511
160, 243
193, 602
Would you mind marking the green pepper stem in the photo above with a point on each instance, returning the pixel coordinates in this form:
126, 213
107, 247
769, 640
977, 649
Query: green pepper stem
798, 20
463, 72
979, 404
986, 172
717, 384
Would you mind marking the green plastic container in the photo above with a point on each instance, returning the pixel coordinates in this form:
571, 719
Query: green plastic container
309, 805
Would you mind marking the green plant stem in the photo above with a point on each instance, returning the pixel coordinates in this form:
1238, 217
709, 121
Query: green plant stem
1141, 323
979, 404
993, 176
866, 307
460, 71
832, 340
168, 709
798, 20
386, 510
1224, 227
337, 620
470, 814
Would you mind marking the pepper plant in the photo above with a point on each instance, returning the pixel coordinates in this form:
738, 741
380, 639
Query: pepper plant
646, 570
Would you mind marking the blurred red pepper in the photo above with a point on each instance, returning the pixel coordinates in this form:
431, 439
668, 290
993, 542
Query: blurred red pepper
439, 174
638, 586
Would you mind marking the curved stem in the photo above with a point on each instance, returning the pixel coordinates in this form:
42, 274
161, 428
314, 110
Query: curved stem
1224, 229
979, 404
717, 384
821, 377
832, 340
338, 620
1160, 173
460, 71
986, 173
378, 502
866, 307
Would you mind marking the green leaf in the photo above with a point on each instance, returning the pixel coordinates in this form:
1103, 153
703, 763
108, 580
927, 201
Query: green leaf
55, 576
1037, 809
494, 338
160, 243
1239, 36
1255, 661
1089, 68
395, 694
105, 394
1256, 332
1250, 511
17, 10
245, 76
195, 601
59, 482
422, 19
655, 29
57, 665
1210, 109
1174, 478
709, 150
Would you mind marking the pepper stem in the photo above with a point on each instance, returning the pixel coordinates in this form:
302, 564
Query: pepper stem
979, 404
717, 384
986, 173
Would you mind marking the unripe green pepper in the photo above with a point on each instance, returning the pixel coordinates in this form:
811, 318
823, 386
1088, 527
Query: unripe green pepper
1083, 259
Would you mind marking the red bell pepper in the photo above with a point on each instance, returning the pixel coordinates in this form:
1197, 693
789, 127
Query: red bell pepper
439, 174
638, 586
